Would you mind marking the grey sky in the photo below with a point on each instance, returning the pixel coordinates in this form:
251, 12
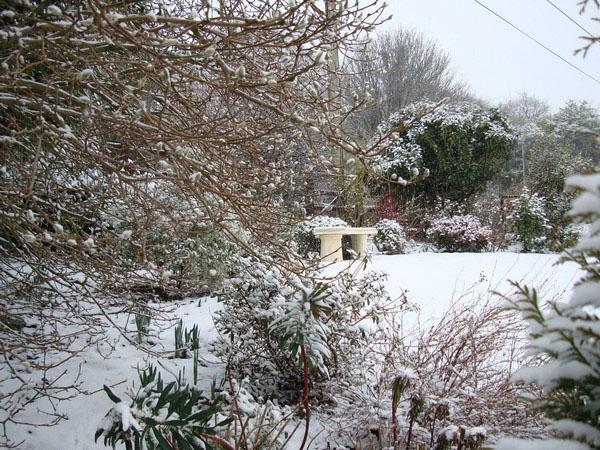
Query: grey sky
495, 60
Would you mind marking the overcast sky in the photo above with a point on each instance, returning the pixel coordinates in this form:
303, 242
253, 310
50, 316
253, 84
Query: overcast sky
495, 60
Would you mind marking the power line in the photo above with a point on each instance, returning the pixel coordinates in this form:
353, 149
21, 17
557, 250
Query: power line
538, 43
570, 18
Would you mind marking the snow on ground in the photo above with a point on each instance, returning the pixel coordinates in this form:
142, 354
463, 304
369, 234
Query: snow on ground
432, 280
435, 280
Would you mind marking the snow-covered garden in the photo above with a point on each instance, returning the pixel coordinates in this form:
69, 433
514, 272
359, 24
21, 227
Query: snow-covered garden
164, 168
435, 285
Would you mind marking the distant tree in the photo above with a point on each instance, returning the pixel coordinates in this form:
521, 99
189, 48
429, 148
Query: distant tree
399, 68
578, 123
453, 150
525, 109
550, 161
526, 115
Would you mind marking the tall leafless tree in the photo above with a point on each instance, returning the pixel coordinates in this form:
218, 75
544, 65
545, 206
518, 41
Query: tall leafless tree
401, 67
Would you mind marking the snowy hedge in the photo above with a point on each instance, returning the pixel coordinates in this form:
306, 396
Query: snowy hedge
460, 233
390, 237
452, 150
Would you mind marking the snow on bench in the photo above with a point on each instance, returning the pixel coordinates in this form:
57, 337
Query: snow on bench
331, 241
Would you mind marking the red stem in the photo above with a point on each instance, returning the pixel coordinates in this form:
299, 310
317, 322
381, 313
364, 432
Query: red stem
305, 395
394, 425
217, 440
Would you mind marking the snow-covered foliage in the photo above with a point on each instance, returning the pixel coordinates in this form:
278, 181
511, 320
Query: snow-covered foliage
578, 124
433, 380
307, 243
564, 336
269, 314
529, 223
179, 414
460, 233
257, 423
452, 150
162, 415
390, 237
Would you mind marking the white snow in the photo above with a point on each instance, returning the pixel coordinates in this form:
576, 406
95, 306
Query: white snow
548, 444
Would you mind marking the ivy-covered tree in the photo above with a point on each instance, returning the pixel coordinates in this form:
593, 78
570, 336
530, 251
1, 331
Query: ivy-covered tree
453, 150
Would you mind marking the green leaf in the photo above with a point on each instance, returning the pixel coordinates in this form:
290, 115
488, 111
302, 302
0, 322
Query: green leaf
163, 444
225, 422
111, 395
98, 433
163, 399
203, 415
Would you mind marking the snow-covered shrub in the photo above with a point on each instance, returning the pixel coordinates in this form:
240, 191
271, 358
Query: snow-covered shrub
529, 222
390, 237
387, 207
461, 233
180, 416
257, 424
492, 212
438, 377
307, 243
565, 336
162, 415
269, 313
451, 151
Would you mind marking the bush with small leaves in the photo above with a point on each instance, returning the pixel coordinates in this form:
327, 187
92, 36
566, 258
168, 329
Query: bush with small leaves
461, 233
529, 222
390, 237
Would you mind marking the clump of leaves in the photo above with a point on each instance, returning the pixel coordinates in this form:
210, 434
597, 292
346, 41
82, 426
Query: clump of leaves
142, 323
530, 224
163, 416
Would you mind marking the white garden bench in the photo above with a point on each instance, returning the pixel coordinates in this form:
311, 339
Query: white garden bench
331, 241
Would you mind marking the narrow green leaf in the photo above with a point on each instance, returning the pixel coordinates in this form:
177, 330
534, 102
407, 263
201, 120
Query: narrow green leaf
111, 395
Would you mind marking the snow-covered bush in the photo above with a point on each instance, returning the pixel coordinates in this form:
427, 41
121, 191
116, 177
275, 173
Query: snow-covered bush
437, 377
461, 233
565, 336
390, 237
451, 151
307, 243
180, 416
257, 424
529, 222
269, 314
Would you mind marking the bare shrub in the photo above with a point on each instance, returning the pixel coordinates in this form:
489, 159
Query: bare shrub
453, 372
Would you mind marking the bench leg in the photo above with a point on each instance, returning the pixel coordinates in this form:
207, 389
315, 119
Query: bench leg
331, 247
359, 243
